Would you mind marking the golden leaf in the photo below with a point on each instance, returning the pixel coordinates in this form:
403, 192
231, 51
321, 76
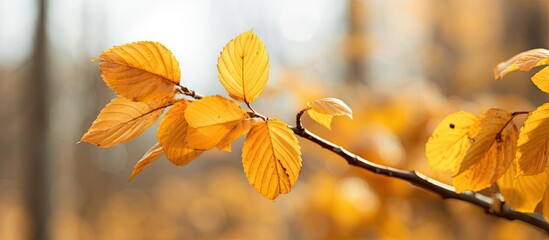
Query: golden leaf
522, 193
122, 120
541, 79
324, 109
152, 154
171, 135
243, 67
211, 119
523, 61
533, 142
141, 71
491, 151
271, 158
238, 130
449, 142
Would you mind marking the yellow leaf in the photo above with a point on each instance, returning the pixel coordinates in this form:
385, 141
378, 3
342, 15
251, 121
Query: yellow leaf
243, 67
211, 119
541, 79
522, 193
141, 71
449, 142
122, 120
491, 151
533, 142
171, 135
238, 130
523, 61
271, 158
324, 109
152, 154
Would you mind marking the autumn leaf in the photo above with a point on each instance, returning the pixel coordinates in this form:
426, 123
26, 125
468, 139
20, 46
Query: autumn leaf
171, 135
523, 61
533, 142
449, 142
152, 154
141, 71
243, 67
491, 151
545, 207
323, 110
541, 79
211, 119
238, 130
122, 120
271, 158
522, 193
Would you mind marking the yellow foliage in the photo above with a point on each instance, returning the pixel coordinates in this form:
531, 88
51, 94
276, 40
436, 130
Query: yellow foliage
523, 61
449, 142
541, 79
533, 142
152, 154
271, 158
122, 120
243, 67
324, 109
141, 71
238, 130
171, 134
493, 142
211, 119
522, 193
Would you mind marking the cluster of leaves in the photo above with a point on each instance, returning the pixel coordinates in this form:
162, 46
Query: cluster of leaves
486, 150
146, 78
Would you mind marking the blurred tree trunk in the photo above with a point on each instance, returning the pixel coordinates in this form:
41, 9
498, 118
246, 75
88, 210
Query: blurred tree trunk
34, 132
356, 44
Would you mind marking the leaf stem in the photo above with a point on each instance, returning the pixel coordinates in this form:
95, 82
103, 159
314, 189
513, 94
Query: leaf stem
188, 92
513, 115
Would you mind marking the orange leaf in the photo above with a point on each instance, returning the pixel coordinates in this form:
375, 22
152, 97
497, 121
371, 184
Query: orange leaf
141, 71
271, 158
522, 193
523, 61
243, 67
152, 154
211, 119
449, 142
533, 142
122, 120
490, 154
171, 134
238, 130
324, 109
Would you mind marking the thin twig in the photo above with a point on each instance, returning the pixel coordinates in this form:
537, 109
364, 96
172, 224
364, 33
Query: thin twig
422, 181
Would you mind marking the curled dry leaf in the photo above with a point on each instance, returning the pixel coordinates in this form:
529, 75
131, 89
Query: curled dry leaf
522, 193
243, 67
523, 61
211, 119
152, 154
449, 142
141, 71
171, 134
122, 120
323, 110
533, 142
491, 152
271, 158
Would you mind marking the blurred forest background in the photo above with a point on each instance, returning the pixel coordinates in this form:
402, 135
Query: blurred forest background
400, 65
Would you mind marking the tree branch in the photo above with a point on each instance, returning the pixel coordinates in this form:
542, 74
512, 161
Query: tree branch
422, 181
